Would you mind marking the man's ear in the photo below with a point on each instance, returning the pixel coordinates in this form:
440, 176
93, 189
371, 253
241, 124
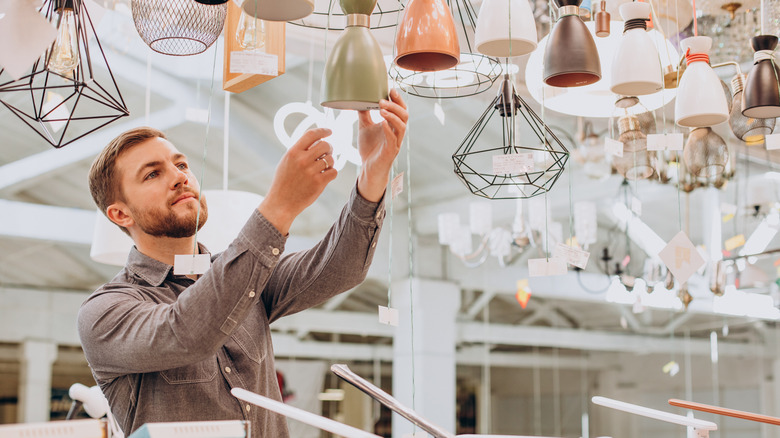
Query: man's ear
118, 213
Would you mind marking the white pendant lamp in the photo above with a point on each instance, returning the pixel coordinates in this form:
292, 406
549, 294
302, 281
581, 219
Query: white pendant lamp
505, 28
274, 10
701, 101
636, 68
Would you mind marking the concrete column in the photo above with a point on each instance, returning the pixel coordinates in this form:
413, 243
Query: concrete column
36, 358
432, 308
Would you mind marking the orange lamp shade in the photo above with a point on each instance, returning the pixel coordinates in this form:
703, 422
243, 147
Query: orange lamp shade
427, 39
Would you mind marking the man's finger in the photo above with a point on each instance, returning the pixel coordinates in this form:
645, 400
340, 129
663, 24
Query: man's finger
310, 137
364, 117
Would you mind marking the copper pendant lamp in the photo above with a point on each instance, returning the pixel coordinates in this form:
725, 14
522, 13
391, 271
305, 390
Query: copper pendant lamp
427, 39
761, 97
571, 58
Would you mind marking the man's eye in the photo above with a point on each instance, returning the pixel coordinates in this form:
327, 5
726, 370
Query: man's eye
151, 175
182, 166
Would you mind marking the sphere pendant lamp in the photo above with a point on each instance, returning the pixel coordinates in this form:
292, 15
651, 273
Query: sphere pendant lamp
355, 74
637, 162
505, 28
275, 10
761, 98
570, 58
636, 67
701, 100
426, 38
705, 153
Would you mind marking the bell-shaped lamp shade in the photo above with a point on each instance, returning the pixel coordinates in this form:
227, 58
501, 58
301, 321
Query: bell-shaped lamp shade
426, 39
274, 10
355, 76
761, 98
228, 211
505, 28
636, 67
705, 153
571, 58
747, 129
700, 100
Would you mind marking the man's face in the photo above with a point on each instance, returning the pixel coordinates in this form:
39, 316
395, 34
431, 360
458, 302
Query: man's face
159, 191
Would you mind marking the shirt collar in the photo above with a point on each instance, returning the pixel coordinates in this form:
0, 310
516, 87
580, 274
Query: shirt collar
152, 271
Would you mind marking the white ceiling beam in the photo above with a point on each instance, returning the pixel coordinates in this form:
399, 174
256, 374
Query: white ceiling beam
21, 220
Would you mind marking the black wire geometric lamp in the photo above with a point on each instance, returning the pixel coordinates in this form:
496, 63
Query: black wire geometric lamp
61, 99
328, 16
178, 27
522, 171
474, 73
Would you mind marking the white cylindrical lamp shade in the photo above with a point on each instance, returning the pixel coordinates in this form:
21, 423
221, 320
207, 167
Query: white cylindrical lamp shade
505, 28
701, 101
636, 67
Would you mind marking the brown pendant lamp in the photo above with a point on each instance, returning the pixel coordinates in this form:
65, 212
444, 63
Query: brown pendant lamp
571, 58
427, 39
761, 97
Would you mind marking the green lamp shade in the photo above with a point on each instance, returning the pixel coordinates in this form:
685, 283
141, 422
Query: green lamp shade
355, 75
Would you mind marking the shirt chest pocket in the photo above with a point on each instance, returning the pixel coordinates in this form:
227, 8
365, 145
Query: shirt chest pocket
201, 372
251, 346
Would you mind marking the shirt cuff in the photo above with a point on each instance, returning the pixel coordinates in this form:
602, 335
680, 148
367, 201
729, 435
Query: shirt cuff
366, 211
263, 238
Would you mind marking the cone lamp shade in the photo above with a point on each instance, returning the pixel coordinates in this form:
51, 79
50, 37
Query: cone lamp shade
761, 98
636, 68
571, 58
747, 129
505, 28
701, 100
275, 10
355, 76
426, 38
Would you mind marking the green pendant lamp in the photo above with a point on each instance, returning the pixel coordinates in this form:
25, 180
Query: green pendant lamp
355, 75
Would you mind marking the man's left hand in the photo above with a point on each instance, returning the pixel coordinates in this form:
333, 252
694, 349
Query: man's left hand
379, 144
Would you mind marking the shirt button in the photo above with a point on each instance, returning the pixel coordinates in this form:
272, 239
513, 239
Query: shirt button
373, 245
252, 294
227, 370
248, 408
274, 251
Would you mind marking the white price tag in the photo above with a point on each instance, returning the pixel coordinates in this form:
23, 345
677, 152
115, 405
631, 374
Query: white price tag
674, 141
258, 63
614, 147
636, 206
397, 186
573, 256
655, 142
188, 264
388, 315
512, 164
546, 267
772, 142
197, 115
681, 257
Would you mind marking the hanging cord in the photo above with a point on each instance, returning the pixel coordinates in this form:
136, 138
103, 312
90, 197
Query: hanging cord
411, 252
695, 24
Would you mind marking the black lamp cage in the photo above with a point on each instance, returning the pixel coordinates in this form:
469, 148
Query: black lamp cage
474, 161
328, 15
178, 27
86, 105
474, 74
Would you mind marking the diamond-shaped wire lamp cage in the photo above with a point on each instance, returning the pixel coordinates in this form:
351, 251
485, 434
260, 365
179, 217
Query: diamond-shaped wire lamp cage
178, 27
531, 170
328, 15
474, 74
64, 101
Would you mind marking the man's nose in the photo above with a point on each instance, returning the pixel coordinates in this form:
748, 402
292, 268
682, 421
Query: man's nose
180, 177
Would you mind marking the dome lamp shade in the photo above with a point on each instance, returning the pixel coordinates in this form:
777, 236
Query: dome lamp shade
505, 28
571, 58
273, 10
636, 67
701, 101
426, 39
761, 97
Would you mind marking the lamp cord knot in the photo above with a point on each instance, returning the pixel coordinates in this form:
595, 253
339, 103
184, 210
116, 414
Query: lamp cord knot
696, 57
763, 55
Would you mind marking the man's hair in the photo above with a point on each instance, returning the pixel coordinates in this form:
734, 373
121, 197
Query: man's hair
104, 180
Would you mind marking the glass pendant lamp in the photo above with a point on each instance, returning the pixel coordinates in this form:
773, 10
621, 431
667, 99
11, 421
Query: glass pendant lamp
505, 28
355, 74
426, 38
636, 162
570, 58
747, 129
636, 68
761, 98
275, 10
705, 153
700, 100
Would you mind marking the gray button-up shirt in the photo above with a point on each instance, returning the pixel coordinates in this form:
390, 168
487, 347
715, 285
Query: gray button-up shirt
163, 347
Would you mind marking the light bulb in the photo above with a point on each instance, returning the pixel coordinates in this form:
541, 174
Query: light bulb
250, 33
64, 57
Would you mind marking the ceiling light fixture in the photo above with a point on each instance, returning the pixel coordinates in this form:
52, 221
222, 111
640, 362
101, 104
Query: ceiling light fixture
761, 97
505, 28
178, 27
274, 10
571, 58
700, 99
636, 67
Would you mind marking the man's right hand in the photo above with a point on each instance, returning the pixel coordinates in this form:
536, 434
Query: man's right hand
300, 178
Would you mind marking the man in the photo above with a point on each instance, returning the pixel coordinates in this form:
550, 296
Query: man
167, 347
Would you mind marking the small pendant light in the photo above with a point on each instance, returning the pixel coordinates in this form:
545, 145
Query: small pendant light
761, 98
426, 39
636, 68
355, 74
747, 129
570, 58
705, 153
505, 28
701, 100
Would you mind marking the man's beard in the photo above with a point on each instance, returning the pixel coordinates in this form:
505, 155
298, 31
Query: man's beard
169, 224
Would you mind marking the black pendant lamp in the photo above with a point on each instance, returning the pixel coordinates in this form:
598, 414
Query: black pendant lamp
571, 58
761, 97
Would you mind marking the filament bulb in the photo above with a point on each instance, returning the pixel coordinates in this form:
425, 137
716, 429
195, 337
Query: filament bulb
64, 56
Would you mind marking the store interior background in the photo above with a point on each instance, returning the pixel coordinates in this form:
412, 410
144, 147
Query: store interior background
514, 370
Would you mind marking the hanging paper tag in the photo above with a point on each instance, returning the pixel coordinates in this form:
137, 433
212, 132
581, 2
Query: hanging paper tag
573, 256
681, 257
655, 142
438, 111
512, 164
636, 206
388, 315
188, 264
397, 186
674, 141
256, 63
734, 242
196, 115
614, 147
546, 267
772, 142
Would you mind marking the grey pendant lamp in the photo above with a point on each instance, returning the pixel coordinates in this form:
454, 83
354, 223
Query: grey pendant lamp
761, 97
275, 10
355, 75
571, 58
